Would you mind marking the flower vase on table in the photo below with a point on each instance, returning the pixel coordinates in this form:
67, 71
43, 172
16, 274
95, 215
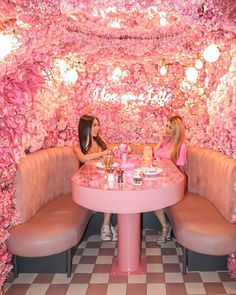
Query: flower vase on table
122, 152
123, 158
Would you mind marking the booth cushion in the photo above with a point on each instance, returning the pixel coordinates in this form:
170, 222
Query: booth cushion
199, 226
56, 227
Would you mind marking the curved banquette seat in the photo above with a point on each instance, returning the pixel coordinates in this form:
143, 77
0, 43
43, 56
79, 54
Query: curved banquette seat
203, 221
50, 221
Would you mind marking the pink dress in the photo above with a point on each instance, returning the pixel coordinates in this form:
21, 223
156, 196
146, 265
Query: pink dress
165, 150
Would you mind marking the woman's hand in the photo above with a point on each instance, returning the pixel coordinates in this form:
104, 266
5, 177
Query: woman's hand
106, 152
87, 157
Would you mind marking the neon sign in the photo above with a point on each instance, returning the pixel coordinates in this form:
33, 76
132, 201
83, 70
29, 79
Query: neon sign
151, 96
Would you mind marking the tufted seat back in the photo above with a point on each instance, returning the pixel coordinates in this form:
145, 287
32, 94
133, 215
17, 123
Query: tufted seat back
213, 176
43, 176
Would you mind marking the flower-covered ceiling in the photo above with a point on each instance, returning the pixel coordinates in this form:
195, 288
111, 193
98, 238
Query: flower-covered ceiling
175, 30
129, 56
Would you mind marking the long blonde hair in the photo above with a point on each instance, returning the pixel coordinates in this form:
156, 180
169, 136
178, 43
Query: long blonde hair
178, 135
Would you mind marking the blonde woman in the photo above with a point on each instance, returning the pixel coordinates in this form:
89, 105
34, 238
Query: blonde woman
171, 146
92, 146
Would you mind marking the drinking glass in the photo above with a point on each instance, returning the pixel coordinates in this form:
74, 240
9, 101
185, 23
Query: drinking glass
108, 162
147, 153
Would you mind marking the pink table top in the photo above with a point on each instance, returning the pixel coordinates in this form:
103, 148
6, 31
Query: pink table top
92, 190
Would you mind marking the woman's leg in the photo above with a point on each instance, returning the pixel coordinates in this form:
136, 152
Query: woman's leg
161, 216
166, 228
106, 234
106, 219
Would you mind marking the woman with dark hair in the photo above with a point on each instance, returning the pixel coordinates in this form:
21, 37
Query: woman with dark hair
92, 146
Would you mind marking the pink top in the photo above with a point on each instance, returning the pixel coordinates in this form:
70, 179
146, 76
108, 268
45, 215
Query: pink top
165, 150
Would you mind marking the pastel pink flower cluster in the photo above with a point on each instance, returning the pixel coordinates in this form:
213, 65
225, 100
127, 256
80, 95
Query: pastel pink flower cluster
209, 14
231, 264
123, 148
5, 264
231, 261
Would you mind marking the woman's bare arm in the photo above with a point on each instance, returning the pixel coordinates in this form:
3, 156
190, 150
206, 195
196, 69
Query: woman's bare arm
86, 157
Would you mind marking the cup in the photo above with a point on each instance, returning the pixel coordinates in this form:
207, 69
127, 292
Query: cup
108, 162
137, 179
147, 153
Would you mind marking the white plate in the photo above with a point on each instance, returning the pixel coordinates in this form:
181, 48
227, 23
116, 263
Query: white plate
100, 165
138, 184
153, 173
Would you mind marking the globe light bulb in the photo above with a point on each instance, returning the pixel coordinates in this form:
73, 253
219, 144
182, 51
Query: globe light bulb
115, 24
211, 53
117, 73
61, 64
163, 70
191, 74
163, 21
70, 76
198, 64
6, 42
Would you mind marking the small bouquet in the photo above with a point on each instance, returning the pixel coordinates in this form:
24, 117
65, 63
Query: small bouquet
122, 151
231, 263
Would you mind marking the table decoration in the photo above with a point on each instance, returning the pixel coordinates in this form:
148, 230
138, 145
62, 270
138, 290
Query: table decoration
122, 152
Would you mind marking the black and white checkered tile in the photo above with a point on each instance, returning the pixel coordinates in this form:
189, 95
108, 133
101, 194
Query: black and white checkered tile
91, 274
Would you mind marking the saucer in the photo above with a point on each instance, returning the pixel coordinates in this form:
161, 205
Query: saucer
154, 172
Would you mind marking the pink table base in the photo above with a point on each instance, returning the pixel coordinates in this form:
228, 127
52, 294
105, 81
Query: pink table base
129, 246
141, 269
90, 190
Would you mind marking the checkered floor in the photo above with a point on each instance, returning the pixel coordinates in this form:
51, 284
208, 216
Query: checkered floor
91, 274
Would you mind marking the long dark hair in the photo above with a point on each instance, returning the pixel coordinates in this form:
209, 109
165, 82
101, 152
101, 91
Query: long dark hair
84, 132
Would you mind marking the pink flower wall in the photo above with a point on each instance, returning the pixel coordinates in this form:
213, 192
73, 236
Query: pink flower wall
117, 56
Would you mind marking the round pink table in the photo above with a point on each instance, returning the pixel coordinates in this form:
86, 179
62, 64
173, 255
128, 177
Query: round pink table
91, 189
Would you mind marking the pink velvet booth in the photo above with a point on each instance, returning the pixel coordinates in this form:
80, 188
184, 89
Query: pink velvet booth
203, 220
50, 221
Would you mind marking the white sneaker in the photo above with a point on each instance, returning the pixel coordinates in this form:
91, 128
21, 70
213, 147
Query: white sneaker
114, 231
106, 234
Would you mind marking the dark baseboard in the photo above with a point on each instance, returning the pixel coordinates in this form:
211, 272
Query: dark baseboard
202, 262
47, 264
